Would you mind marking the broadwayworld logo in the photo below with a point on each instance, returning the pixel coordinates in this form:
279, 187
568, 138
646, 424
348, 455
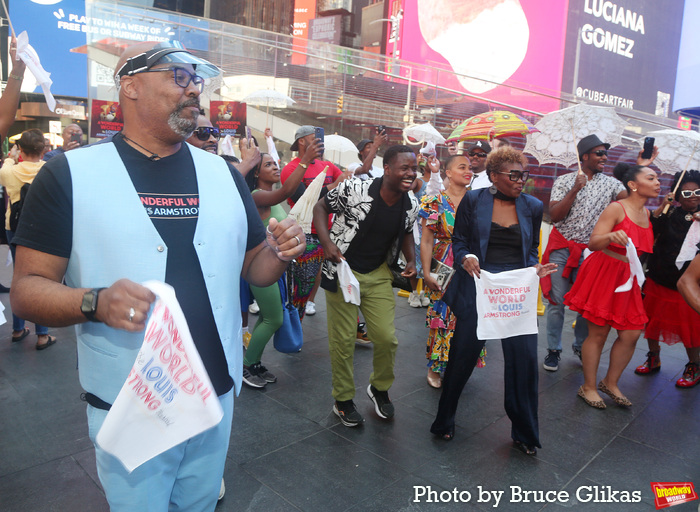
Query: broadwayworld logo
667, 494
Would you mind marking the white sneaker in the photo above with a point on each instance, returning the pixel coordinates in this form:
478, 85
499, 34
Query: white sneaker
254, 309
414, 300
222, 490
424, 300
310, 308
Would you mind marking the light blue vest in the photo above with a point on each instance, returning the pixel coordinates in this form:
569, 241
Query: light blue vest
113, 238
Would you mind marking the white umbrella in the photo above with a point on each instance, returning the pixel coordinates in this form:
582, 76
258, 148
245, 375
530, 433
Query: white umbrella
424, 132
338, 144
302, 211
678, 150
560, 131
268, 98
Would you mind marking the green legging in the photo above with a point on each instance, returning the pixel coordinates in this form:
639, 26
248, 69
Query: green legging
269, 320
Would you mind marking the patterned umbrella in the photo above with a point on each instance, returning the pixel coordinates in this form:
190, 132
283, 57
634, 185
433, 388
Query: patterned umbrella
490, 125
560, 131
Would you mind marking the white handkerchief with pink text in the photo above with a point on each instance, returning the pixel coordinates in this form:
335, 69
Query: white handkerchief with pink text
168, 397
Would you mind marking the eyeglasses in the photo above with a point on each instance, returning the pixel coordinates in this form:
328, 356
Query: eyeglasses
182, 77
478, 155
600, 152
687, 194
204, 132
516, 175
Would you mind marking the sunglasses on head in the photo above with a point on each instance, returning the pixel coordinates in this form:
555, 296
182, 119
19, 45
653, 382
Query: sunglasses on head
181, 76
204, 132
600, 152
478, 155
687, 194
516, 175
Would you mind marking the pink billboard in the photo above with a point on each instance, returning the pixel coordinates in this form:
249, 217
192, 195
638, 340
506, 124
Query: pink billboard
509, 42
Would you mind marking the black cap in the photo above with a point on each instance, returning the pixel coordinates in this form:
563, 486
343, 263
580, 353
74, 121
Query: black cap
479, 144
361, 145
589, 142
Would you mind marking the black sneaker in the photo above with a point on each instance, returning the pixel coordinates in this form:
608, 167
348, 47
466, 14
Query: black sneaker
263, 372
348, 414
251, 377
551, 361
577, 351
382, 404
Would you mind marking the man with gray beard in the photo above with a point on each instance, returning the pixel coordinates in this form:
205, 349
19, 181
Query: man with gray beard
105, 218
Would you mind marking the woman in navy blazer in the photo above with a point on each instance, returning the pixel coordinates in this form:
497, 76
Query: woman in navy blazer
496, 229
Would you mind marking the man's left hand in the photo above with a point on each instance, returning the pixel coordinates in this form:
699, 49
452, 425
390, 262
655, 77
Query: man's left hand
286, 238
410, 270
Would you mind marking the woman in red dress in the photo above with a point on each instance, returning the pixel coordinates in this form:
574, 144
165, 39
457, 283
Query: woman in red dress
594, 293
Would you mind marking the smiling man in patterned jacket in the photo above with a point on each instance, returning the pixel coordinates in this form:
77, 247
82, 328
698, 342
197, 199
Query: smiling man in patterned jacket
372, 219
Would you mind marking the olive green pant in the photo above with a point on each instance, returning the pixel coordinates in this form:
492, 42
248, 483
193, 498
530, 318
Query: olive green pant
377, 305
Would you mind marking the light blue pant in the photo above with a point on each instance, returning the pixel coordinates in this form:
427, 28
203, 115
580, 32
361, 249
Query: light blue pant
555, 312
186, 477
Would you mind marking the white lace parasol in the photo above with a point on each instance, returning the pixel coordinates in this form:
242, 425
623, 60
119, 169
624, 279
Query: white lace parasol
560, 131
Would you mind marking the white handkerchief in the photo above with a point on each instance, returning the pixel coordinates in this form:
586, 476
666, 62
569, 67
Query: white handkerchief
636, 269
690, 245
168, 397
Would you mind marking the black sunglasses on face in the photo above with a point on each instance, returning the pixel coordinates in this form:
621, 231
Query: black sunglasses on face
478, 155
516, 175
204, 132
181, 76
687, 194
600, 152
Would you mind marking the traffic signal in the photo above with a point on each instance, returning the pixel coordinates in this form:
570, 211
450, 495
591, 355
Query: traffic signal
339, 101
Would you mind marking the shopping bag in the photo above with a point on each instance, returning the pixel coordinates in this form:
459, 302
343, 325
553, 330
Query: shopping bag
506, 303
168, 397
348, 283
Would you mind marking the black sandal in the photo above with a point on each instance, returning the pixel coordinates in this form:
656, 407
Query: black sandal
51, 341
25, 333
445, 436
525, 448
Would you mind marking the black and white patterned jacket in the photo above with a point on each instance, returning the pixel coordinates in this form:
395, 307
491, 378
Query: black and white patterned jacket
351, 202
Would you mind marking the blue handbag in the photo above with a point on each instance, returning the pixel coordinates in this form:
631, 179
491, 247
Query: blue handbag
288, 338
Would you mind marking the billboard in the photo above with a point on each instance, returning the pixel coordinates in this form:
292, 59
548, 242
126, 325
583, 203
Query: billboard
106, 119
623, 54
504, 41
229, 117
686, 98
57, 30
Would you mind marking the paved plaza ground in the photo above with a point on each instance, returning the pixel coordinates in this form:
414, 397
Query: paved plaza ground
289, 452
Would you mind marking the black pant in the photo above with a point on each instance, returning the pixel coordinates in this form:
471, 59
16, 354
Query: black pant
520, 375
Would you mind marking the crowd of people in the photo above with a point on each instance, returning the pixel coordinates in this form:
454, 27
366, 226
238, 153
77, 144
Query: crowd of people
370, 226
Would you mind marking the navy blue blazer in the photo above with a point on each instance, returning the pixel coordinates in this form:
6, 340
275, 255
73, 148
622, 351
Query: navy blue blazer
471, 236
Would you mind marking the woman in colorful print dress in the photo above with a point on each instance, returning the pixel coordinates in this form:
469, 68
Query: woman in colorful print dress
437, 219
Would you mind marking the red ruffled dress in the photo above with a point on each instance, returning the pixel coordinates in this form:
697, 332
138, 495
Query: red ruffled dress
593, 293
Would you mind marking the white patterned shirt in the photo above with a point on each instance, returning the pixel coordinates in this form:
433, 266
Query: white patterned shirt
590, 202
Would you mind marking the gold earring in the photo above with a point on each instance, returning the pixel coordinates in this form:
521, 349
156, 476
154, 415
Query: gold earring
634, 190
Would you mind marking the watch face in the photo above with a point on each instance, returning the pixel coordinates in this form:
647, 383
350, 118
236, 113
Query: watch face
88, 306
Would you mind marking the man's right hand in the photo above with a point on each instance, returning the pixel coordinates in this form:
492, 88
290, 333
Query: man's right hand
332, 253
115, 303
71, 145
314, 151
580, 181
380, 139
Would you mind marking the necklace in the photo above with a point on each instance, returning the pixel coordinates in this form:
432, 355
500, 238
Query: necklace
153, 157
